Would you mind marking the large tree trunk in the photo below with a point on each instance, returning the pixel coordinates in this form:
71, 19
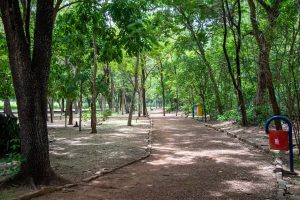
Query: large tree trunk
7, 108
94, 95
30, 79
162, 84
136, 69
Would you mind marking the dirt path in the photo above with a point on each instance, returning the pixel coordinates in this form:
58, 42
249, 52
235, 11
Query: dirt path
188, 161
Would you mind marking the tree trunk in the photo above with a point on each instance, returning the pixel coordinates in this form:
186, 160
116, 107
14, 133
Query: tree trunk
201, 54
117, 104
51, 109
136, 69
123, 100
62, 106
177, 101
76, 107
162, 84
264, 42
193, 102
7, 108
143, 89
237, 39
94, 95
70, 112
202, 95
100, 103
139, 103
112, 90
30, 79
80, 104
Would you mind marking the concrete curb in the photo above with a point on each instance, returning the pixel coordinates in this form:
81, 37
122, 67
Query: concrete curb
281, 183
47, 190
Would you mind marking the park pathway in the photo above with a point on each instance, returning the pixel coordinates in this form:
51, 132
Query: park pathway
188, 162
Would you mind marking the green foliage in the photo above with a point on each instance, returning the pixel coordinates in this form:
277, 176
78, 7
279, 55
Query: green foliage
12, 164
9, 134
230, 115
106, 114
86, 116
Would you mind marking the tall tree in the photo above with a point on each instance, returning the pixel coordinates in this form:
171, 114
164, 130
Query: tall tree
235, 27
264, 39
30, 69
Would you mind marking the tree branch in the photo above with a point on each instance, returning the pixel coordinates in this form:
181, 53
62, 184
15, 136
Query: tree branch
265, 5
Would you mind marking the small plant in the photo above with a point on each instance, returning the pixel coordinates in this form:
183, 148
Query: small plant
9, 134
10, 165
230, 115
103, 116
106, 114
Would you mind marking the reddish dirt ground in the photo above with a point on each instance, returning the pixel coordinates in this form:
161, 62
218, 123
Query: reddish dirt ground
188, 161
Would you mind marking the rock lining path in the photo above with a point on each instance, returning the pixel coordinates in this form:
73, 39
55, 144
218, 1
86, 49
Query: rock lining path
188, 161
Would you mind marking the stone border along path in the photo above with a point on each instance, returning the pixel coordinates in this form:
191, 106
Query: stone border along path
50, 189
282, 189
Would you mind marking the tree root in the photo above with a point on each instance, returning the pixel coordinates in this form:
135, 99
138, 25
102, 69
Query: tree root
26, 180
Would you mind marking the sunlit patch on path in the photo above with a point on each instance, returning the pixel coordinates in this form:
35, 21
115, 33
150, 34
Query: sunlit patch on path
188, 161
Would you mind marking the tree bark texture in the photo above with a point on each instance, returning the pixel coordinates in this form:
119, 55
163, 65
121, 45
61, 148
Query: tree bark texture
136, 70
30, 78
94, 95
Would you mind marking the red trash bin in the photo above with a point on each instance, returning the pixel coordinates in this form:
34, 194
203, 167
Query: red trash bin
279, 140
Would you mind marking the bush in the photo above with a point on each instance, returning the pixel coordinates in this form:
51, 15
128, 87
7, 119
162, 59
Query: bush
264, 114
9, 134
171, 109
230, 115
103, 116
106, 114
12, 161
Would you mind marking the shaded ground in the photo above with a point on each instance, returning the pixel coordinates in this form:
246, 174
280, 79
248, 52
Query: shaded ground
76, 155
188, 161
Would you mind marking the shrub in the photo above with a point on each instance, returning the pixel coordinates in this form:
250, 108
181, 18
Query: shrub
106, 114
230, 115
9, 134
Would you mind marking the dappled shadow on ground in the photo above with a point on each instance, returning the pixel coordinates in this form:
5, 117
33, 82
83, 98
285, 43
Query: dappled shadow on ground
188, 161
76, 155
